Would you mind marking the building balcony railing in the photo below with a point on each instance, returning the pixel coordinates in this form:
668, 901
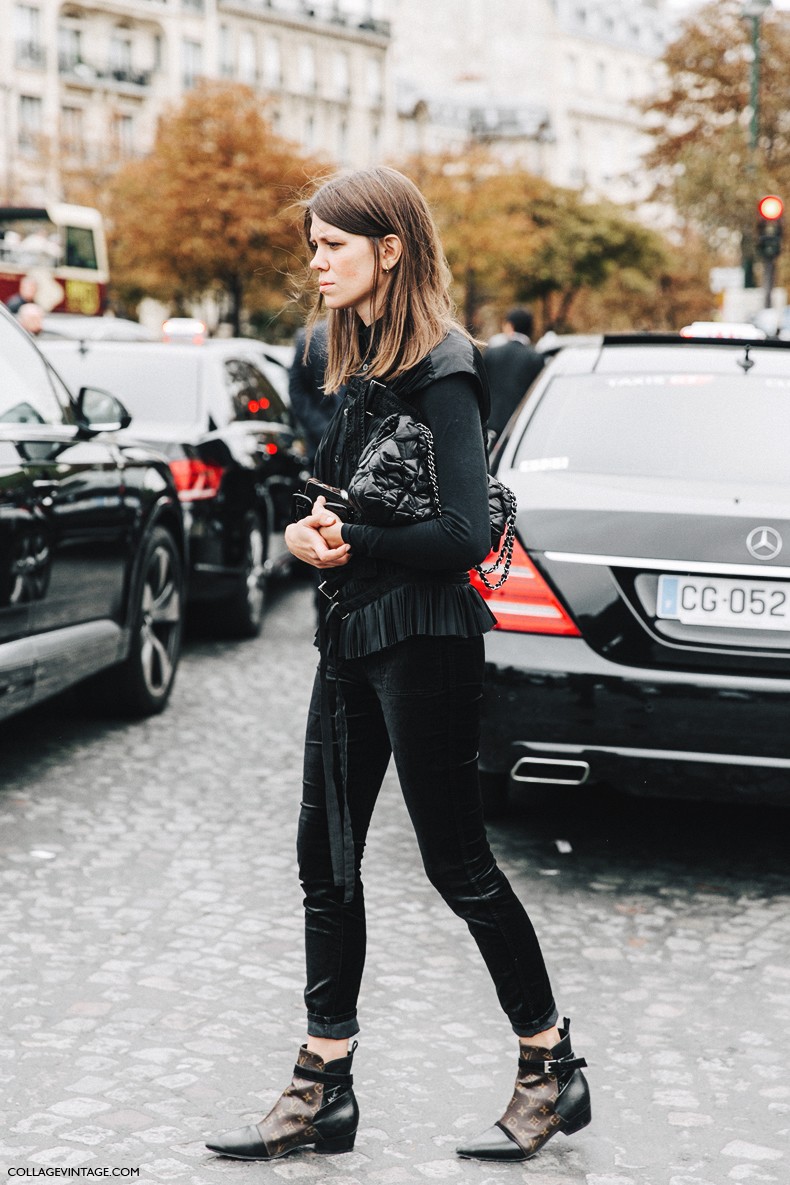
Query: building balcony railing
88, 73
327, 12
30, 55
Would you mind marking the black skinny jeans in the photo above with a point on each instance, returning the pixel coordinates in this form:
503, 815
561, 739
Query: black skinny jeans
420, 701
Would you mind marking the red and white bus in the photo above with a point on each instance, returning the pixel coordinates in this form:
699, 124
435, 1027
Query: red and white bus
64, 248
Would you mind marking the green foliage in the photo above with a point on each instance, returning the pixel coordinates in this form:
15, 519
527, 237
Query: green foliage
511, 237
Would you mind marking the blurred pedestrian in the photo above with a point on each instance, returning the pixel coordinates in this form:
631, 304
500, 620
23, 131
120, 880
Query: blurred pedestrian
28, 291
512, 364
31, 317
311, 405
400, 673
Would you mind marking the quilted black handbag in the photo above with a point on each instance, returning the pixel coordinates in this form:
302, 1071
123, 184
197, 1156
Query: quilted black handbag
395, 484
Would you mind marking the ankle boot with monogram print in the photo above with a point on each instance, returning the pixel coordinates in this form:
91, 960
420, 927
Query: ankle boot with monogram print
551, 1095
318, 1110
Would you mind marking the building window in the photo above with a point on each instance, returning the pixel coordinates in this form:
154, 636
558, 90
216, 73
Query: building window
31, 120
27, 35
600, 77
375, 81
120, 56
157, 51
342, 142
577, 176
272, 62
341, 70
69, 47
193, 5
375, 143
191, 62
309, 133
248, 58
72, 130
572, 70
123, 134
227, 65
307, 74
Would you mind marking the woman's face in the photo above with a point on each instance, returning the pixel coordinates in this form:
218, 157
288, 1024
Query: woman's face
346, 267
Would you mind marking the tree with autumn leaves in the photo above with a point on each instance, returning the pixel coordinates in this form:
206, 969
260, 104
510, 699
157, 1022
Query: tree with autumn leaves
211, 208
700, 121
214, 208
512, 237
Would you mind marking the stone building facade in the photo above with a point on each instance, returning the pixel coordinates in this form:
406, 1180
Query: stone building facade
551, 84
83, 79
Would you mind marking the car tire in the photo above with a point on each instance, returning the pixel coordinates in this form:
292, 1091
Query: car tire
141, 685
495, 793
244, 610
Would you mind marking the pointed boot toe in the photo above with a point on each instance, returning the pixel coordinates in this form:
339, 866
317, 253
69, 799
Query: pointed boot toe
494, 1144
244, 1143
551, 1095
318, 1110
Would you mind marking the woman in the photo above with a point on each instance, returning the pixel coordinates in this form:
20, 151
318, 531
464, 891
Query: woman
401, 674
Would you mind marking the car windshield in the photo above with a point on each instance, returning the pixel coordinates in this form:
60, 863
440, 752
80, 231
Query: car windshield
693, 425
155, 387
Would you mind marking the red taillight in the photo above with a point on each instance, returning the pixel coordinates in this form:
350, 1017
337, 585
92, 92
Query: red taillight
195, 479
525, 603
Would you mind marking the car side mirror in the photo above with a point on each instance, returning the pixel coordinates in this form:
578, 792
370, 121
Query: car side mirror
99, 411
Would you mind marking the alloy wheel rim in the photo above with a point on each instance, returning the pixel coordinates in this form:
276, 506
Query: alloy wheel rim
255, 573
161, 622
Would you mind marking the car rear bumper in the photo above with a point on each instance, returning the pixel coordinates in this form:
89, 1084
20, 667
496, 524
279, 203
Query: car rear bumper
556, 712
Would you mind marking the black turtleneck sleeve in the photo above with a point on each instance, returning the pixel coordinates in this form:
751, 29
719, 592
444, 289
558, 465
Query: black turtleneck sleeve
461, 537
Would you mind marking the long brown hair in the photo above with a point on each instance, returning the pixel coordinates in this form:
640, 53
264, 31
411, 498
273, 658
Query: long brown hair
419, 311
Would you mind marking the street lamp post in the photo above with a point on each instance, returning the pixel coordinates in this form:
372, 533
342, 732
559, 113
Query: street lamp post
753, 10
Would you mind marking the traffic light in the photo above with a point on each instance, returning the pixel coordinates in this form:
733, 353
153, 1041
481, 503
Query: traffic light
770, 225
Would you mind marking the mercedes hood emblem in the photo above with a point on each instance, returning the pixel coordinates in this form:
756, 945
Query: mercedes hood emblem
764, 543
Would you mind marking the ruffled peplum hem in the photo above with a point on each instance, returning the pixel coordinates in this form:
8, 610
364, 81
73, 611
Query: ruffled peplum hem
411, 609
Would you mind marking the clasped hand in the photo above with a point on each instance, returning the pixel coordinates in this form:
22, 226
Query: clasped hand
317, 538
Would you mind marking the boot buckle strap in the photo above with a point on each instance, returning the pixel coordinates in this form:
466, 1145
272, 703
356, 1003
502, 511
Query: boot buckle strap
552, 1065
325, 1076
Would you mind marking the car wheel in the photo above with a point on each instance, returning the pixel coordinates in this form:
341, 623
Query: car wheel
142, 684
243, 614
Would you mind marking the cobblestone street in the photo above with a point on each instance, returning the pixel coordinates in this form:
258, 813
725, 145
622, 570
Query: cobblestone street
152, 962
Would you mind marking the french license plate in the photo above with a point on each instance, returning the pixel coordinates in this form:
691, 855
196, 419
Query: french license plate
721, 601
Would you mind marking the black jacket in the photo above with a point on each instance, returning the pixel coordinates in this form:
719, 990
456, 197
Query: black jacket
413, 579
511, 369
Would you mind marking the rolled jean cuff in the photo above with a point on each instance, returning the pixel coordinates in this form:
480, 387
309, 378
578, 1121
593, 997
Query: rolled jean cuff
547, 1021
333, 1027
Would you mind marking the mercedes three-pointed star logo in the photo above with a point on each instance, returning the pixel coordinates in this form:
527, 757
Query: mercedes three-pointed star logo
764, 543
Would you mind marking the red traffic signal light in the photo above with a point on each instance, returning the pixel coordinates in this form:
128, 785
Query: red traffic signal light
770, 207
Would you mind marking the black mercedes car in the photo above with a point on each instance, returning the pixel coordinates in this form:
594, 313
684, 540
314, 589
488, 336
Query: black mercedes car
643, 636
218, 411
91, 543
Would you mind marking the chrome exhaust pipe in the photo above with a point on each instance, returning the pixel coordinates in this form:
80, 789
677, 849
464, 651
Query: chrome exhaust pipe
550, 771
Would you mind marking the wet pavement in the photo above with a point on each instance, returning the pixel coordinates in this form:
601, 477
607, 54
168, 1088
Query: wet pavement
151, 970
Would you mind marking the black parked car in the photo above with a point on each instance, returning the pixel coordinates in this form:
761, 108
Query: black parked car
644, 633
218, 412
91, 543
